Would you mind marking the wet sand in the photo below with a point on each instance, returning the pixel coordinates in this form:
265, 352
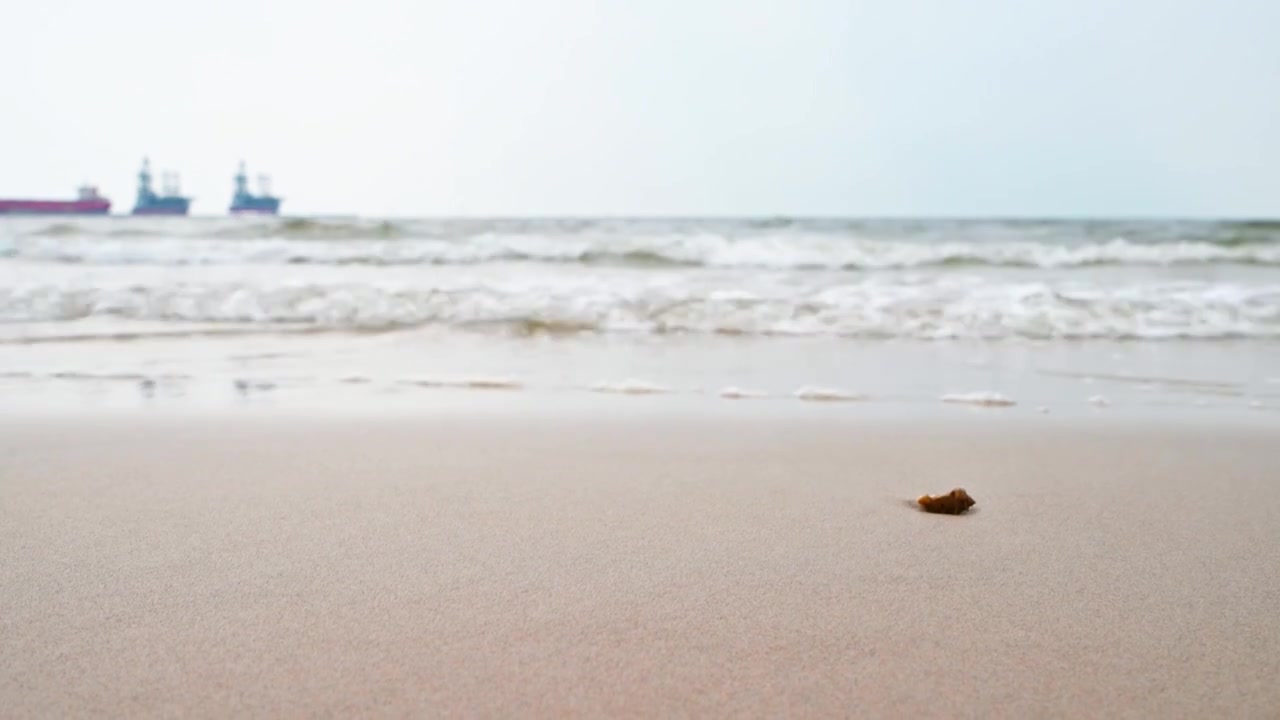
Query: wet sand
654, 565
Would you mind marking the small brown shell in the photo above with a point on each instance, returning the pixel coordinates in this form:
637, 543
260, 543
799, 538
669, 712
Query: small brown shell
953, 503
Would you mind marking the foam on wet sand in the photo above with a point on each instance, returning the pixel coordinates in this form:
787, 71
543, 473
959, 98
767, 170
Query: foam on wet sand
982, 398
814, 393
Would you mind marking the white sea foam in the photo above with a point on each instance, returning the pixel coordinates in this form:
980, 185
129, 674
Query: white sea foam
936, 308
1099, 401
814, 393
737, 393
630, 386
470, 383
981, 398
643, 246
925, 280
490, 383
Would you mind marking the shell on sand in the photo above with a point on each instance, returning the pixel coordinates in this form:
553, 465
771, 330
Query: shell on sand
953, 503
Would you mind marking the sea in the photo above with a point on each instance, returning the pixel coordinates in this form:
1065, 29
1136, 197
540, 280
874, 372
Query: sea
1016, 316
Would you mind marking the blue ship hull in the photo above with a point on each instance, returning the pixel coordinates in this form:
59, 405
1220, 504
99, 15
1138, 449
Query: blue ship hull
166, 205
256, 205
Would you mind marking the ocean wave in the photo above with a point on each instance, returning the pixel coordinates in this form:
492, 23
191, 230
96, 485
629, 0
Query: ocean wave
732, 392
762, 251
311, 229
59, 230
926, 308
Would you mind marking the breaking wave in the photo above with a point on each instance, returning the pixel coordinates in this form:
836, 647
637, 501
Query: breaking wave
777, 243
801, 252
927, 308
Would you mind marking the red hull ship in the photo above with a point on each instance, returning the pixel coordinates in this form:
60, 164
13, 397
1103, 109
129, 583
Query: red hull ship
88, 202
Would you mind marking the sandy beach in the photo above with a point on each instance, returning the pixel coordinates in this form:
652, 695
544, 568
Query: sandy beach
221, 565
592, 360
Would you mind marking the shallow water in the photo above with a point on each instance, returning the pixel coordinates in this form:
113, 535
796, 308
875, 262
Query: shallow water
1042, 314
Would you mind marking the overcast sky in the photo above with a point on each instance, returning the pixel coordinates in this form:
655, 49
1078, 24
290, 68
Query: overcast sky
636, 107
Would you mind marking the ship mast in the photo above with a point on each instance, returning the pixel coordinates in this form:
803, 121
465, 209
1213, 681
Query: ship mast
242, 182
144, 181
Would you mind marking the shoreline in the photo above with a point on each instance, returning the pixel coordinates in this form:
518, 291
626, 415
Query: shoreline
285, 404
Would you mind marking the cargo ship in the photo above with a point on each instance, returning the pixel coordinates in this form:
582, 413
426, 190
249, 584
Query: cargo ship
87, 202
246, 203
168, 202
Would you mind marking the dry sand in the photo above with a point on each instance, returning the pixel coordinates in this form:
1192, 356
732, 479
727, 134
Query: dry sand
653, 566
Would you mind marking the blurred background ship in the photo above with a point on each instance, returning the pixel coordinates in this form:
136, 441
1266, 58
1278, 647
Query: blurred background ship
168, 202
88, 202
246, 203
